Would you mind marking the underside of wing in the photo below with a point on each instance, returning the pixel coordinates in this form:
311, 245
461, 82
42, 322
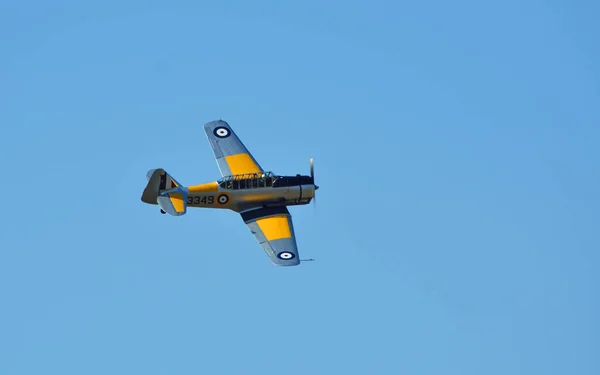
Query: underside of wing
231, 154
273, 229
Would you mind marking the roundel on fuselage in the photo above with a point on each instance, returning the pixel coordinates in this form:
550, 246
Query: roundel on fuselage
223, 198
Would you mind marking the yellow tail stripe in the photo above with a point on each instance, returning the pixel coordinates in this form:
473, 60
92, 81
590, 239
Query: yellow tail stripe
204, 188
275, 227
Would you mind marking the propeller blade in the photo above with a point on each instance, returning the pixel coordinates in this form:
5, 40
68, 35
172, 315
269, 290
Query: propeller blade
312, 176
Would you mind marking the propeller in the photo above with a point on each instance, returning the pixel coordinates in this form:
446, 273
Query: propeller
312, 176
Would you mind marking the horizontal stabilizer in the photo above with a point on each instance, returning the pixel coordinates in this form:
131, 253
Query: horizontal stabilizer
173, 203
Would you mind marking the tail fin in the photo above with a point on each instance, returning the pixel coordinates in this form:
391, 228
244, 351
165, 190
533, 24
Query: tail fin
164, 190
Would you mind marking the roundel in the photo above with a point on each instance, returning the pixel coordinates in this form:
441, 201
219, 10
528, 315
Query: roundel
286, 255
221, 132
223, 199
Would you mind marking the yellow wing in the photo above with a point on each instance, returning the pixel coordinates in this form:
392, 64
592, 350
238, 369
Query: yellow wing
273, 229
231, 154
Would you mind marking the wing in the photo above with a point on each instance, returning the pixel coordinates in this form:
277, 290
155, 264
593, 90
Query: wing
231, 154
274, 231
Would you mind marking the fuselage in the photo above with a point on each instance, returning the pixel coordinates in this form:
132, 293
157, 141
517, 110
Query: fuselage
242, 192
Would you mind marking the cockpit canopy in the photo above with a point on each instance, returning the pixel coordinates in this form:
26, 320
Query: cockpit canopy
247, 181
261, 180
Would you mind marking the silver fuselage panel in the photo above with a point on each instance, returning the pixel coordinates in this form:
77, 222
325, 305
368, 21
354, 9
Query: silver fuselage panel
244, 199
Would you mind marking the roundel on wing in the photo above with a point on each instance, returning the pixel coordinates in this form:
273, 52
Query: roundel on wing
286, 255
223, 198
221, 132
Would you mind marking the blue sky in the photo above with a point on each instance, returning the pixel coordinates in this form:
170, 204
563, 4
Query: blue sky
455, 143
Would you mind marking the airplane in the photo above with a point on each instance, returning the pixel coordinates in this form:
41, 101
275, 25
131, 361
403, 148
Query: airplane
261, 198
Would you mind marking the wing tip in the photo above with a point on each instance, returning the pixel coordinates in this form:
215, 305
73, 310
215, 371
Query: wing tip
212, 124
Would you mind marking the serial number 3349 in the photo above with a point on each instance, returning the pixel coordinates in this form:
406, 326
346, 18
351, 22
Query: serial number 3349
204, 200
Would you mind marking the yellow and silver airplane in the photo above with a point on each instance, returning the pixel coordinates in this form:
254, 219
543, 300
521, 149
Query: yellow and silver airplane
260, 197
